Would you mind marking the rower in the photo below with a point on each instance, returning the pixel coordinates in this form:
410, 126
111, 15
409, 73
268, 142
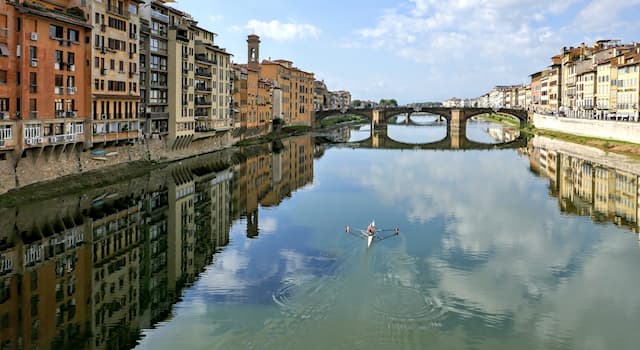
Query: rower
372, 228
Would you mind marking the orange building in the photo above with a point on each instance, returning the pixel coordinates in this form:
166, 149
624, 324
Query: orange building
297, 90
44, 81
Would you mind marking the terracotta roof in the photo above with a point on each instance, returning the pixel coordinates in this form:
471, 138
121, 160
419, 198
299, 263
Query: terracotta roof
52, 14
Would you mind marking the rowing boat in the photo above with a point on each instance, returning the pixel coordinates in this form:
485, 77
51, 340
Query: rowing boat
372, 234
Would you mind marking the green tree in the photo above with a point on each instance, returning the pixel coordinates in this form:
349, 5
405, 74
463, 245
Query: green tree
388, 103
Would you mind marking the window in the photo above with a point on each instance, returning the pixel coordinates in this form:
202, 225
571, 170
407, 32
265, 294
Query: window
59, 56
71, 58
58, 79
71, 81
73, 35
56, 32
33, 82
4, 104
33, 53
33, 107
3, 77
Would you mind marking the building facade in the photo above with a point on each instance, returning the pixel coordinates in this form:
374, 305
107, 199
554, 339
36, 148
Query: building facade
115, 79
44, 83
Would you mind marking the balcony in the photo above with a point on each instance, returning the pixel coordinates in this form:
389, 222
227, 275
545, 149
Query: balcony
116, 131
118, 11
64, 138
200, 87
201, 113
65, 114
203, 58
203, 73
160, 33
159, 16
158, 84
203, 102
6, 137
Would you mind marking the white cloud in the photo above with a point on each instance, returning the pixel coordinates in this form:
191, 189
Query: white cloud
280, 31
465, 28
216, 18
601, 15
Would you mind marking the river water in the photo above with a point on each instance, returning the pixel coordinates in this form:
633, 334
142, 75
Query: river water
526, 248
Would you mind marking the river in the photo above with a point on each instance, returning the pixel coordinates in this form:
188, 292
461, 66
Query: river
530, 248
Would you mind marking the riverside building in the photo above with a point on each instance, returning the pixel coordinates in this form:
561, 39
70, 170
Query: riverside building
115, 79
44, 83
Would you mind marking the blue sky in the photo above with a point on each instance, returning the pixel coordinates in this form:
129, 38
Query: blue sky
415, 50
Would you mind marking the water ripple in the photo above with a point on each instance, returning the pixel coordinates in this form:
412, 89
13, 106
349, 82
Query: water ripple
405, 307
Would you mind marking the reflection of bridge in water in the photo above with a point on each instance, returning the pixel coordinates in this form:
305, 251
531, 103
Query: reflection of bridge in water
455, 140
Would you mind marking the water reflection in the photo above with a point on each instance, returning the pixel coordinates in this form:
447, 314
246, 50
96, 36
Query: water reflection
485, 258
90, 271
589, 182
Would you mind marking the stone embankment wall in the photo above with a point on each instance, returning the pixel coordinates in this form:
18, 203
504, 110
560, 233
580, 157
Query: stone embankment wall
604, 129
37, 165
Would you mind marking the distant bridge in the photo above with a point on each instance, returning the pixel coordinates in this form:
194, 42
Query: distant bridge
456, 117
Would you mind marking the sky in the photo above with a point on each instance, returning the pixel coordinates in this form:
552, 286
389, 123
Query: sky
415, 50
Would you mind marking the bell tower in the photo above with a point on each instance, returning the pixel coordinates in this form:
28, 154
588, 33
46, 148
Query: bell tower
253, 51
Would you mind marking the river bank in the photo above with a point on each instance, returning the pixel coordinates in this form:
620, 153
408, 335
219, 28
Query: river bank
608, 145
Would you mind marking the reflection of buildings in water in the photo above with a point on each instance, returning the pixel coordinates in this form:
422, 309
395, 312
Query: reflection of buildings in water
44, 286
604, 192
268, 178
212, 214
181, 237
342, 134
93, 280
501, 134
89, 274
115, 228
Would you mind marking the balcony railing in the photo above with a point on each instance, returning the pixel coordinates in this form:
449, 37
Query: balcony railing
118, 11
203, 58
6, 134
203, 102
62, 138
203, 73
203, 88
159, 16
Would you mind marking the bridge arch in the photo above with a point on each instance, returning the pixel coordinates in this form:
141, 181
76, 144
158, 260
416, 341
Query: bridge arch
521, 115
321, 115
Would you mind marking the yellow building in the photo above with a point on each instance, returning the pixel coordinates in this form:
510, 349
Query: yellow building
115, 77
212, 69
116, 242
603, 88
181, 58
181, 234
586, 90
628, 80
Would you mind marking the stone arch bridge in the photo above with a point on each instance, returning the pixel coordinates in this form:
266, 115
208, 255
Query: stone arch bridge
456, 117
456, 123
